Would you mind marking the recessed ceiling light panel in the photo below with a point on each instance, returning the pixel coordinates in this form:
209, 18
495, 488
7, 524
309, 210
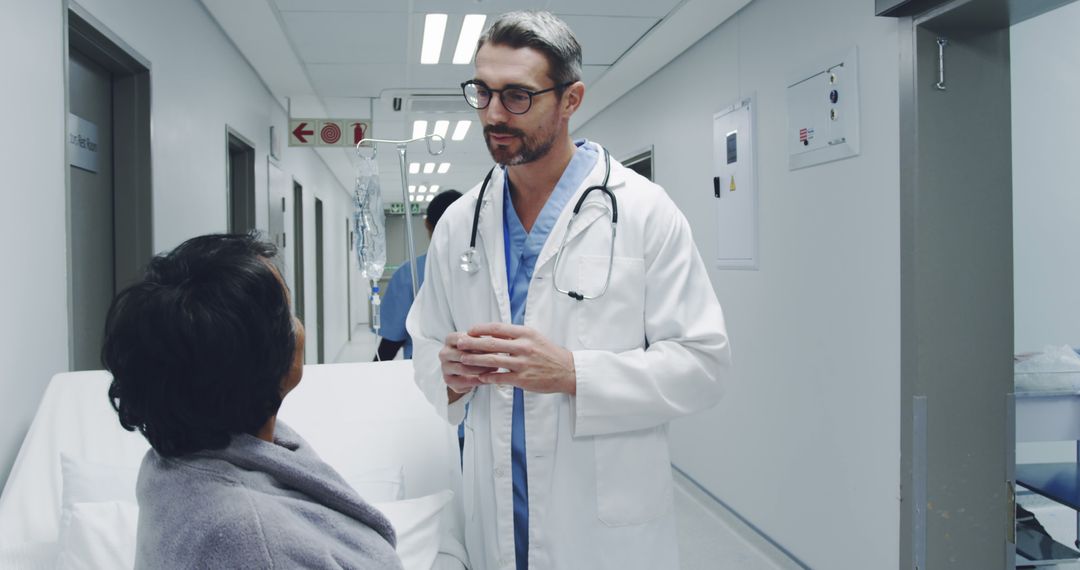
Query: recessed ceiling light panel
461, 129
471, 29
434, 29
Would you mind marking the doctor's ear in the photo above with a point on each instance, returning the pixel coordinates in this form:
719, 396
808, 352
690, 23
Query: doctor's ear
572, 98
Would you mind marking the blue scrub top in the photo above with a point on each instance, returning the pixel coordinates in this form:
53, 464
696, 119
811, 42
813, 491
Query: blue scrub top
396, 301
522, 249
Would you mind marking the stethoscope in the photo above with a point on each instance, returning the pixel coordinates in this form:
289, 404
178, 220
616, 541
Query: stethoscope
468, 263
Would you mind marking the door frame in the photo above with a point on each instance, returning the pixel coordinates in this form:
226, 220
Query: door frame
956, 281
133, 221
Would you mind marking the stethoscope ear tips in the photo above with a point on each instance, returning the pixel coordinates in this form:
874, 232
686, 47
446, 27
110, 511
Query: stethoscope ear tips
576, 296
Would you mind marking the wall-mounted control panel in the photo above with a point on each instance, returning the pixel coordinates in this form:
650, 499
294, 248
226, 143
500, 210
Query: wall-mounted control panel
823, 112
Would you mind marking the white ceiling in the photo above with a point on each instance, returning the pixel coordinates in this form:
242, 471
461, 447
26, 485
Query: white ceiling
351, 58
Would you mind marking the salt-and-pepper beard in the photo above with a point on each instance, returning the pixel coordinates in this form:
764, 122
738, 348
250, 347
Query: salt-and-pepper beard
531, 149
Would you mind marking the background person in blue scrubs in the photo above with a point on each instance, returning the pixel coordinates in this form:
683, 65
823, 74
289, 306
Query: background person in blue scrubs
399, 296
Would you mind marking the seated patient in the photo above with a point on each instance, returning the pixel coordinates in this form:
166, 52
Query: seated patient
202, 351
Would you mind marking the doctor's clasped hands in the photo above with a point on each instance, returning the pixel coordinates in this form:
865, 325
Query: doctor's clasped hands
506, 354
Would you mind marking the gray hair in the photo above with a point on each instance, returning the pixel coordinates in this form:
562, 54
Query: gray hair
543, 32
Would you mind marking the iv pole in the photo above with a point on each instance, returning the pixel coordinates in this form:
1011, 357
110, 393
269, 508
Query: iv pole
401, 147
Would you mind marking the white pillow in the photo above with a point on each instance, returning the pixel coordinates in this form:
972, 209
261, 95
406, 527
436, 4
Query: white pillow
89, 482
379, 485
99, 535
416, 522
99, 516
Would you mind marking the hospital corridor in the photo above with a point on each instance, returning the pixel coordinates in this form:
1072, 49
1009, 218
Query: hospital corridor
540, 285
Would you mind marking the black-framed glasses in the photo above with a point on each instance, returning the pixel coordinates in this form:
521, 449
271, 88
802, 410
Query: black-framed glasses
514, 99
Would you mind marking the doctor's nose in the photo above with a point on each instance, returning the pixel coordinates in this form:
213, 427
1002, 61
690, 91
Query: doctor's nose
495, 113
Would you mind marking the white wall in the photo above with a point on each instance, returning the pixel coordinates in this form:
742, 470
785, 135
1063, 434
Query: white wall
199, 84
806, 443
34, 338
1046, 179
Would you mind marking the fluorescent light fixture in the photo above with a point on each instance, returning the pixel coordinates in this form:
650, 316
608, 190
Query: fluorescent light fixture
430, 197
423, 189
461, 130
429, 167
419, 129
434, 29
471, 28
414, 167
412, 188
444, 167
434, 189
441, 127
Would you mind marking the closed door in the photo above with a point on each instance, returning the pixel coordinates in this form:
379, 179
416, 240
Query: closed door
348, 281
320, 320
91, 205
241, 158
297, 246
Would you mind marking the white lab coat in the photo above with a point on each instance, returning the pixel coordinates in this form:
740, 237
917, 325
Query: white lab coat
653, 348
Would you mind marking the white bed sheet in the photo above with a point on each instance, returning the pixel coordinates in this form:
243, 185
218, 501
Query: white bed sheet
358, 417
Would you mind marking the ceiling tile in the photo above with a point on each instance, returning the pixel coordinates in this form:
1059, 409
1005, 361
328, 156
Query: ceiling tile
355, 80
590, 73
649, 9
475, 7
342, 6
605, 38
417, 6
448, 77
333, 37
369, 80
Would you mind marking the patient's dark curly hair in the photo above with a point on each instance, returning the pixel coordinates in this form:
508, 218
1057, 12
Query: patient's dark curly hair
199, 347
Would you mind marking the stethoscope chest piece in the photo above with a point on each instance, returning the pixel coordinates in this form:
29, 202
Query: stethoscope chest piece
467, 261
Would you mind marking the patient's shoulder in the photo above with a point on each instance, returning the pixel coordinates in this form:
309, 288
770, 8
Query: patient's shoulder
186, 507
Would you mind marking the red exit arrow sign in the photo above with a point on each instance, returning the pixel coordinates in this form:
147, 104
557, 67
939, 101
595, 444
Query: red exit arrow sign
300, 134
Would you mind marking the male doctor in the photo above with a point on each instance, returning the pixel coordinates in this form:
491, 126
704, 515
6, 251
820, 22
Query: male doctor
572, 359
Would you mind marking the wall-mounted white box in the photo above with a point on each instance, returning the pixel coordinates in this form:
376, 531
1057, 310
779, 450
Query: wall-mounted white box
823, 112
735, 186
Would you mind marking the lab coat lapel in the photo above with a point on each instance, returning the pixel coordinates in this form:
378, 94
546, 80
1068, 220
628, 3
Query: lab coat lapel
587, 215
490, 229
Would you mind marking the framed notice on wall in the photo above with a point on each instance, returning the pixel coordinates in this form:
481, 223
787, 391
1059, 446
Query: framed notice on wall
735, 186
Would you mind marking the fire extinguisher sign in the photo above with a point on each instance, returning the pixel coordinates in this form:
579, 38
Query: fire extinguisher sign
328, 132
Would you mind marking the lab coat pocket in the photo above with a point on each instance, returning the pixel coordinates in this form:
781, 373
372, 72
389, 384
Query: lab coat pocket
616, 319
633, 476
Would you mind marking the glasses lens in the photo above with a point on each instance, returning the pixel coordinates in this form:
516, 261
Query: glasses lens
476, 96
516, 100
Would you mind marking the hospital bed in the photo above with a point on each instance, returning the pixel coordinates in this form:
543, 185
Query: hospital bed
368, 420
1048, 409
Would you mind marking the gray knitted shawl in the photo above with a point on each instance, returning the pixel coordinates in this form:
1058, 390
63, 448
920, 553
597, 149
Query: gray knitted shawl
256, 504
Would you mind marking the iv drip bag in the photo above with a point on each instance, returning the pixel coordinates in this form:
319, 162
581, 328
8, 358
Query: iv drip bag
369, 220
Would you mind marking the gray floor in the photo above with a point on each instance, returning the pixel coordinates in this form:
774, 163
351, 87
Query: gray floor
710, 537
